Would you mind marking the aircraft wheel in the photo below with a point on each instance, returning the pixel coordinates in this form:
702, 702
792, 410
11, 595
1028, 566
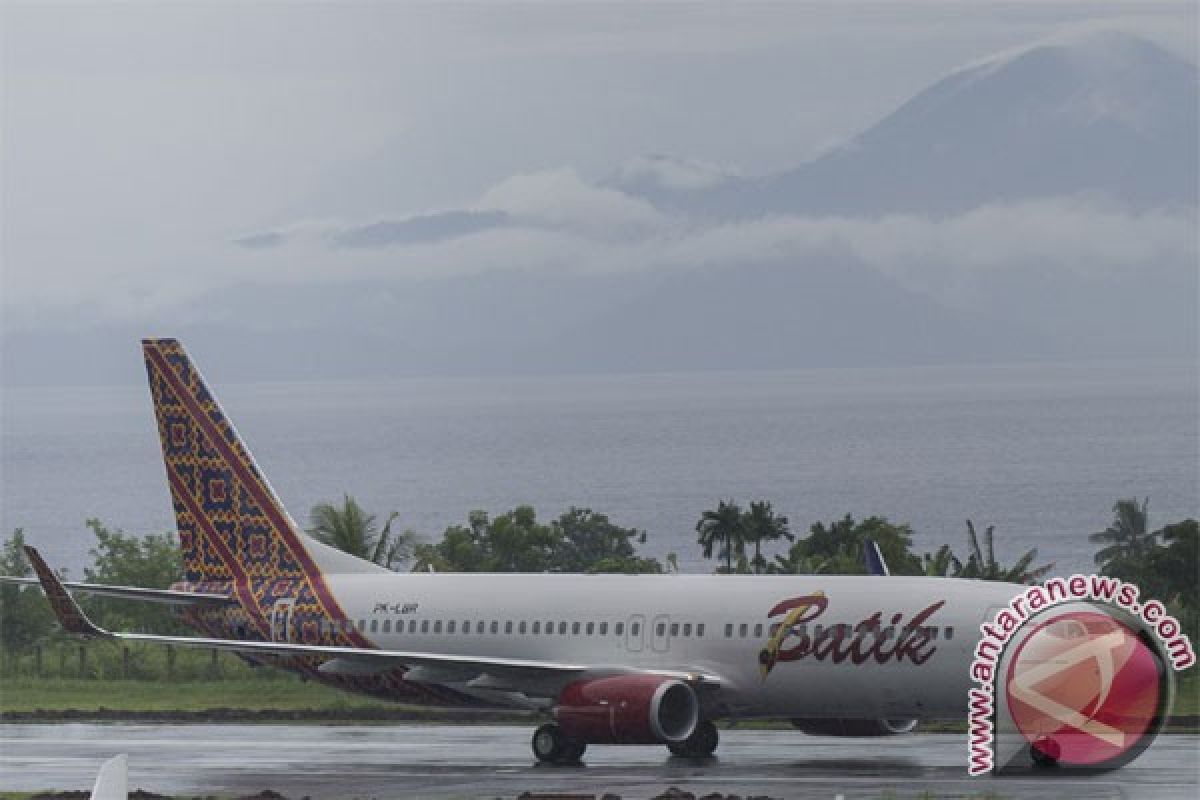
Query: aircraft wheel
701, 744
572, 752
1045, 752
548, 743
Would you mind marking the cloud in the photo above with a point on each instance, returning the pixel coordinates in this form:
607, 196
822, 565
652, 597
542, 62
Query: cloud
560, 199
557, 223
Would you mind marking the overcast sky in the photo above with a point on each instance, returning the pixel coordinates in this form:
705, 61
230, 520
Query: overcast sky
141, 140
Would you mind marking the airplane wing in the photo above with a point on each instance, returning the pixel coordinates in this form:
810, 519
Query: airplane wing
167, 596
484, 671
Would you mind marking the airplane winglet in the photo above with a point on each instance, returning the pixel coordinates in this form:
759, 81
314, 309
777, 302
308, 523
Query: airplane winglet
70, 615
873, 557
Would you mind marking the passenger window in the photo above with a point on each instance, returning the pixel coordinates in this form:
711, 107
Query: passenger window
495, 627
674, 629
619, 629
774, 629
574, 628
949, 633
521, 628
728, 630
374, 626
362, 625
562, 628
818, 631
412, 626
603, 628
508, 627
450, 626
635, 629
758, 631
660, 629
743, 629
549, 628
424, 626
700, 629
687, 629
437, 626
537, 626
591, 628
387, 626
479, 626
347, 626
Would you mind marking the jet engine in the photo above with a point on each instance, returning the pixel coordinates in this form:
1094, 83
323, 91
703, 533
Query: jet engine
628, 709
855, 727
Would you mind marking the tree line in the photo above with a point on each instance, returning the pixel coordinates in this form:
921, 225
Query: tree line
1162, 562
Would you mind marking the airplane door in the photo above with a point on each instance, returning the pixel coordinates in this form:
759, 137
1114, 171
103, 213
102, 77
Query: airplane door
660, 634
634, 630
281, 619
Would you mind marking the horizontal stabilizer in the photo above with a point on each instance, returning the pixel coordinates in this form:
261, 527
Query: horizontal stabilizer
173, 597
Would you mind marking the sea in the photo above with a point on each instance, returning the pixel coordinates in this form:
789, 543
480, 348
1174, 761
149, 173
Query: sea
1040, 451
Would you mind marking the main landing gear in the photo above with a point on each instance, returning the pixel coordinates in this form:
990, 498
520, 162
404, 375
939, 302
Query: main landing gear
701, 744
552, 746
1045, 752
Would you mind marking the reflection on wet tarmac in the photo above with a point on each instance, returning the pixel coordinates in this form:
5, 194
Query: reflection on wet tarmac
441, 761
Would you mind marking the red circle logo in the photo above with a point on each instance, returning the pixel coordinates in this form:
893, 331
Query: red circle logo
1084, 689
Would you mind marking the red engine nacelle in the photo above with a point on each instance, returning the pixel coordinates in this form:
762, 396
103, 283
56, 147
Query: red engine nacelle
628, 709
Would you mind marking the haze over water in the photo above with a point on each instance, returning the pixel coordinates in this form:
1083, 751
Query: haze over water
1039, 451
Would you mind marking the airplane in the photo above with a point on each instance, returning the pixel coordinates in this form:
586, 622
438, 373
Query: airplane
608, 659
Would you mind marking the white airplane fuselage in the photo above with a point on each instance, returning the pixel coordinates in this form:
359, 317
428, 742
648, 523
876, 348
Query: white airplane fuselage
717, 624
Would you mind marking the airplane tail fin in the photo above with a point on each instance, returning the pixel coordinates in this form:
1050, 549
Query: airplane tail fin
231, 524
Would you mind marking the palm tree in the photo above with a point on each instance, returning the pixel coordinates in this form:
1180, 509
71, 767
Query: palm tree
761, 524
796, 563
982, 562
1126, 535
722, 530
942, 564
352, 530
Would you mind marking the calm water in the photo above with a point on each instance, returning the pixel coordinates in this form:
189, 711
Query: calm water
1041, 452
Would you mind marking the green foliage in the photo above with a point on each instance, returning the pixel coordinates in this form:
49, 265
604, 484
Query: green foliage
837, 549
982, 563
1126, 536
942, 564
589, 542
761, 524
151, 561
352, 530
722, 530
25, 616
1167, 571
580, 540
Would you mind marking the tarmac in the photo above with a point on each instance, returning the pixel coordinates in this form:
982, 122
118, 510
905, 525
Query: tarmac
452, 761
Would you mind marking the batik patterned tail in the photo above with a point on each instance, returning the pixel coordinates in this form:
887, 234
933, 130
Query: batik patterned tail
231, 525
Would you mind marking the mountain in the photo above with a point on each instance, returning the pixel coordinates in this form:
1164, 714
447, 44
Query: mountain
1107, 115
674, 264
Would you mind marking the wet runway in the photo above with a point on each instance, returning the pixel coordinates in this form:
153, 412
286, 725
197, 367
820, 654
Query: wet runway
442, 761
